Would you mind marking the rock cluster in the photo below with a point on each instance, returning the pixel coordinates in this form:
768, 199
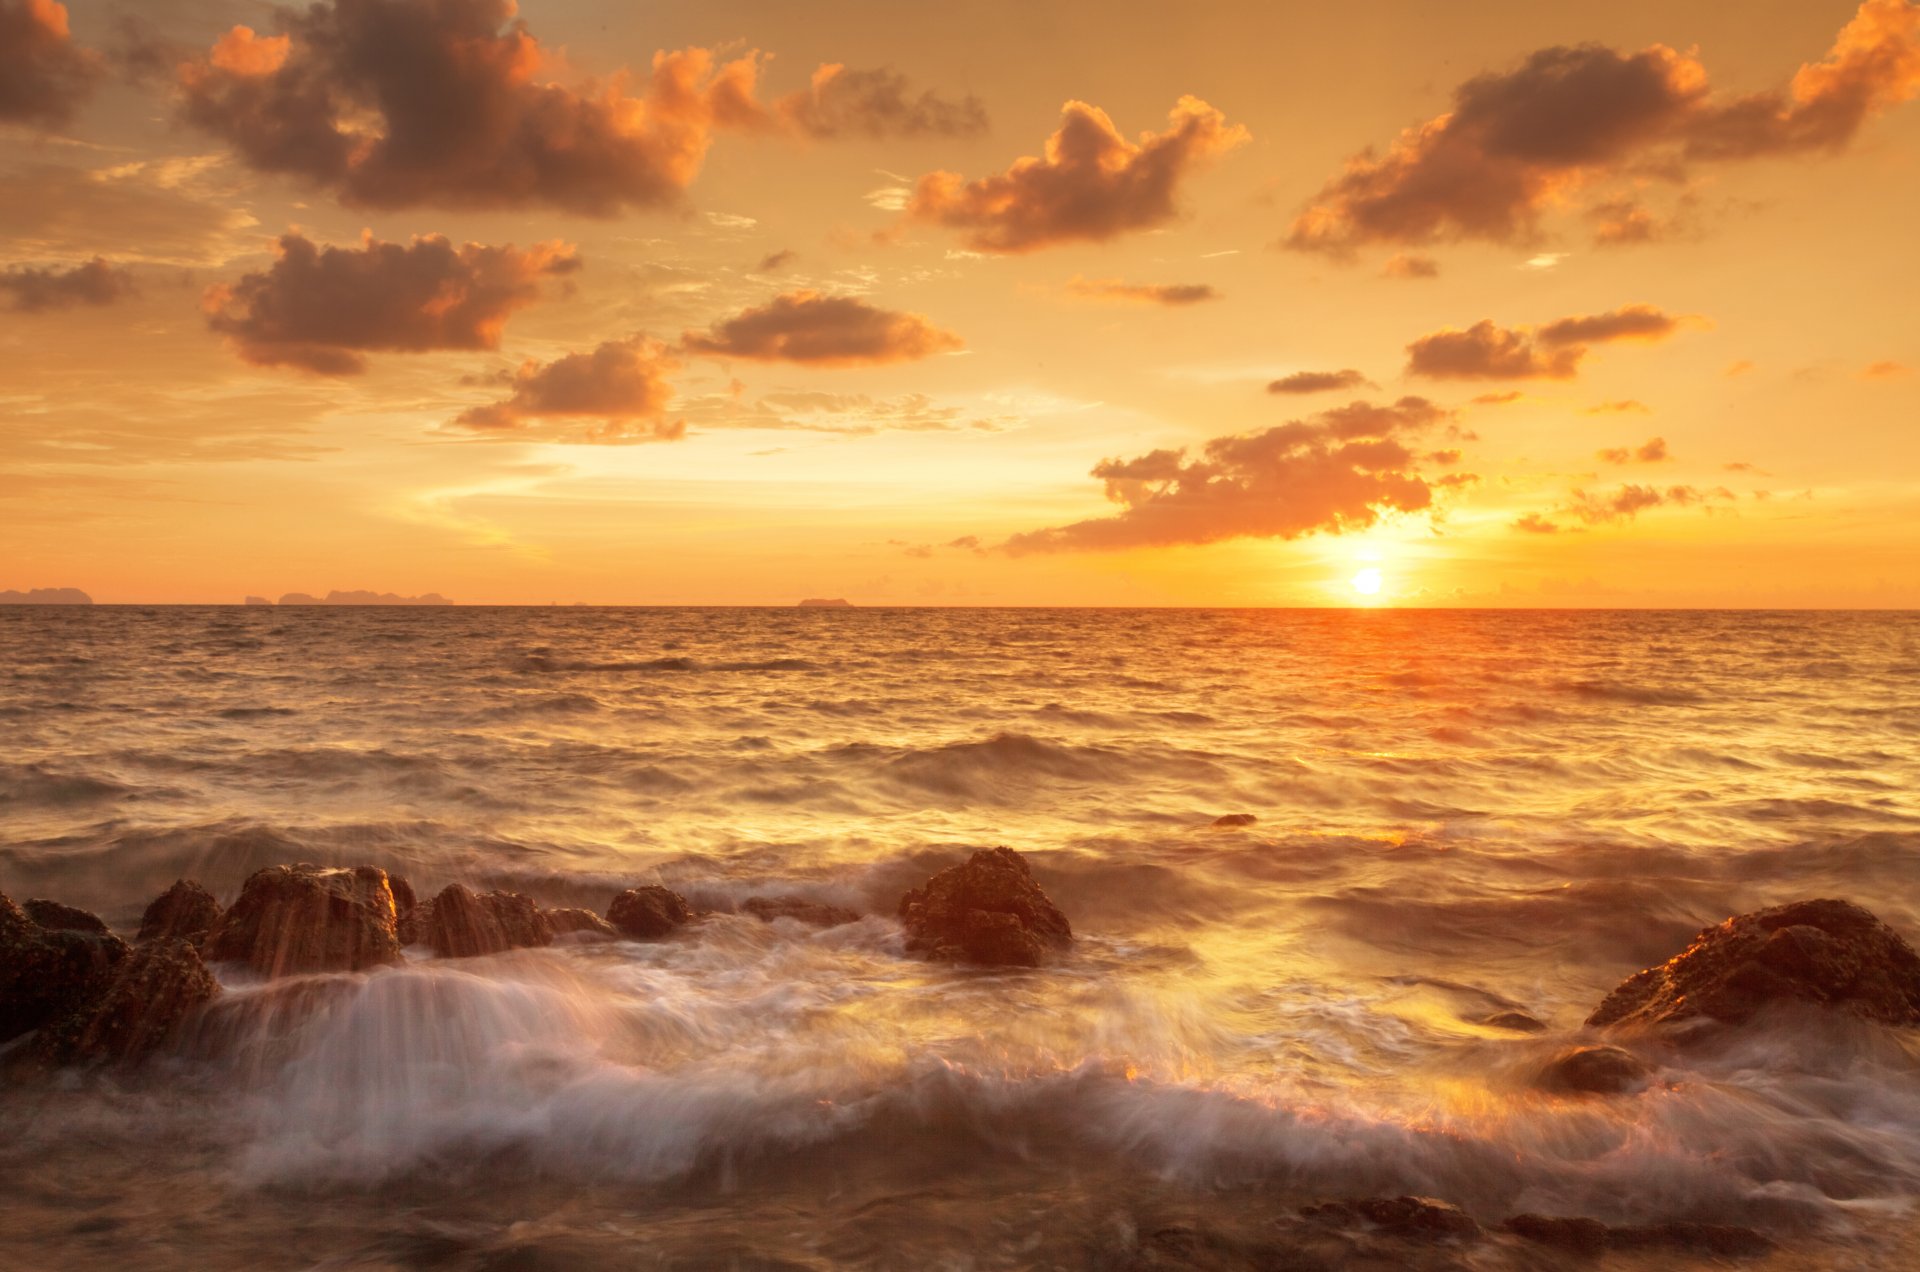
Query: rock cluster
462, 924
648, 913
304, 918
987, 910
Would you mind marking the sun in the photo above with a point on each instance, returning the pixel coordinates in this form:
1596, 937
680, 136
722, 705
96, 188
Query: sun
1367, 582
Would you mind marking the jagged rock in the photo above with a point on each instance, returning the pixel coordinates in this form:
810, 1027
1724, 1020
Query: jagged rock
53, 916
1418, 1218
815, 913
1518, 1021
1829, 953
1591, 1237
152, 992
1233, 821
306, 918
47, 973
1596, 1070
988, 910
564, 921
648, 913
409, 916
461, 924
186, 910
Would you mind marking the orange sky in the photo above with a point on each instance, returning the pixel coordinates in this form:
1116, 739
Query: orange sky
1059, 303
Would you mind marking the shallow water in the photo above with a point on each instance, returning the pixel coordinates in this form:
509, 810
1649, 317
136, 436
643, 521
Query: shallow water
1459, 813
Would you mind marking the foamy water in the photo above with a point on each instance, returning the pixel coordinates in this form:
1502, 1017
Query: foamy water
1458, 814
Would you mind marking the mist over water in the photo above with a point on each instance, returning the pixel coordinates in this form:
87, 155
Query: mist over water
1459, 814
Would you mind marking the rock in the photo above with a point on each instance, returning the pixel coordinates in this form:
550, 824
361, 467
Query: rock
1596, 1070
564, 921
814, 913
153, 991
1518, 1021
305, 918
1829, 953
461, 924
185, 910
1417, 1218
1577, 1236
988, 910
48, 973
648, 913
56, 917
1591, 1237
1233, 821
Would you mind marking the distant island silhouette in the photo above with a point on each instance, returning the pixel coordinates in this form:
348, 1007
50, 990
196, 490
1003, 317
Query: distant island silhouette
355, 598
46, 596
817, 602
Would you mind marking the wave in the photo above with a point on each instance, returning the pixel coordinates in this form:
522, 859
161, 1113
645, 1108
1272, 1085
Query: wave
37, 785
537, 662
1636, 694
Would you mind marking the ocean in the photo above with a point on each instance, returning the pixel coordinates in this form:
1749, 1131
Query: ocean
1457, 814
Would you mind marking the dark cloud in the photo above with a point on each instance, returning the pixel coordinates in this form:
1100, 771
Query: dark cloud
1090, 184
1317, 381
1485, 351
808, 327
1534, 523
32, 290
621, 388
1630, 501
395, 104
773, 262
1142, 293
1337, 471
877, 103
1521, 141
1406, 265
321, 308
1886, 371
44, 75
1498, 399
1624, 406
1652, 451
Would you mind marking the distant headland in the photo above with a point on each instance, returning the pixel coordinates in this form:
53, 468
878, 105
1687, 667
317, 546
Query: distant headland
354, 598
820, 602
46, 596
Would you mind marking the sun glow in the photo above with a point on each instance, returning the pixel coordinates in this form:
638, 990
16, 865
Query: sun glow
1367, 582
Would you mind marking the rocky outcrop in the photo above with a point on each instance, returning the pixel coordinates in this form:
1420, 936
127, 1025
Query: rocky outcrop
46, 973
463, 924
1596, 1071
648, 913
152, 993
799, 909
186, 910
306, 918
1414, 1218
566, 921
65, 918
1591, 1237
1828, 953
988, 910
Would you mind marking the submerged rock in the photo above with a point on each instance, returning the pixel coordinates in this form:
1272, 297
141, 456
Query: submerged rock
1596, 1070
306, 918
152, 993
47, 973
648, 913
1829, 953
1233, 821
815, 913
564, 921
1591, 1237
1517, 1021
461, 924
988, 910
65, 918
1417, 1218
186, 910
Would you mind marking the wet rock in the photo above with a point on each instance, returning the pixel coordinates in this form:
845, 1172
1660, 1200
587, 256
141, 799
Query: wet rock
186, 910
48, 973
564, 921
988, 910
53, 916
461, 924
1596, 1071
813, 913
152, 993
306, 918
1829, 953
648, 913
1591, 1237
1415, 1218
1233, 821
409, 915
1517, 1021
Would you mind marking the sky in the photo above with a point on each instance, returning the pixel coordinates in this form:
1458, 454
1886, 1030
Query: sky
1036, 303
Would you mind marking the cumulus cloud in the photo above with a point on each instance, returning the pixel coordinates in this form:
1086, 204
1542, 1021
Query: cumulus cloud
1090, 184
1142, 293
33, 289
821, 330
1651, 451
44, 75
622, 387
321, 308
1567, 118
1486, 351
1317, 381
1534, 523
1341, 470
876, 103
